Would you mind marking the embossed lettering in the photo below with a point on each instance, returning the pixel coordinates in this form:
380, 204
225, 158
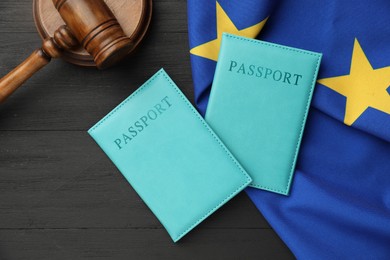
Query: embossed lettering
152, 115
251, 70
259, 71
133, 132
241, 69
139, 126
159, 108
267, 72
287, 77
126, 138
166, 101
233, 64
277, 76
144, 121
118, 143
297, 77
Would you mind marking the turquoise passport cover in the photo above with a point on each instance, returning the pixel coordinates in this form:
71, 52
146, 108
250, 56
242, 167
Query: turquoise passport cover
258, 106
169, 155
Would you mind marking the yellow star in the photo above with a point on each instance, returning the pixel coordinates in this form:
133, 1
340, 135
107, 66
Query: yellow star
210, 50
364, 86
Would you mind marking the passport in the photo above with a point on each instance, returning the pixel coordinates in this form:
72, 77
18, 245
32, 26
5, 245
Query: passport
258, 106
169, 155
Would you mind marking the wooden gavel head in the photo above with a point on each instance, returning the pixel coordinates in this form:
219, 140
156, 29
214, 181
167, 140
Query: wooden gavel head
89, 23
95, 27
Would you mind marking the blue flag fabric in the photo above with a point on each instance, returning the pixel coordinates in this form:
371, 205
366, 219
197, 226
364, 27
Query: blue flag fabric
339, 205
207, 20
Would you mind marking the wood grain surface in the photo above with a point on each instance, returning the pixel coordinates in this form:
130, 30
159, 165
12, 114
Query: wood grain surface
60, 196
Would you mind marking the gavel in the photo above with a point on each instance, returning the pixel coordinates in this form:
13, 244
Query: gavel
90, 23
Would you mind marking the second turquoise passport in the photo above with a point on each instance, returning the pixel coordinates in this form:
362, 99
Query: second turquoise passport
258, 106
169, 155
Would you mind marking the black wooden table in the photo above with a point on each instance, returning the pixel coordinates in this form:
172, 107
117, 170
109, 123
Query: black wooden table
60, 196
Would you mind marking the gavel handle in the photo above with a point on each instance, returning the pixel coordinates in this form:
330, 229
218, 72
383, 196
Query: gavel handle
52, 48
13, 80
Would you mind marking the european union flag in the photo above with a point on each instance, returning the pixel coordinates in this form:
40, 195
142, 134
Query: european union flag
207, 20
339, 206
